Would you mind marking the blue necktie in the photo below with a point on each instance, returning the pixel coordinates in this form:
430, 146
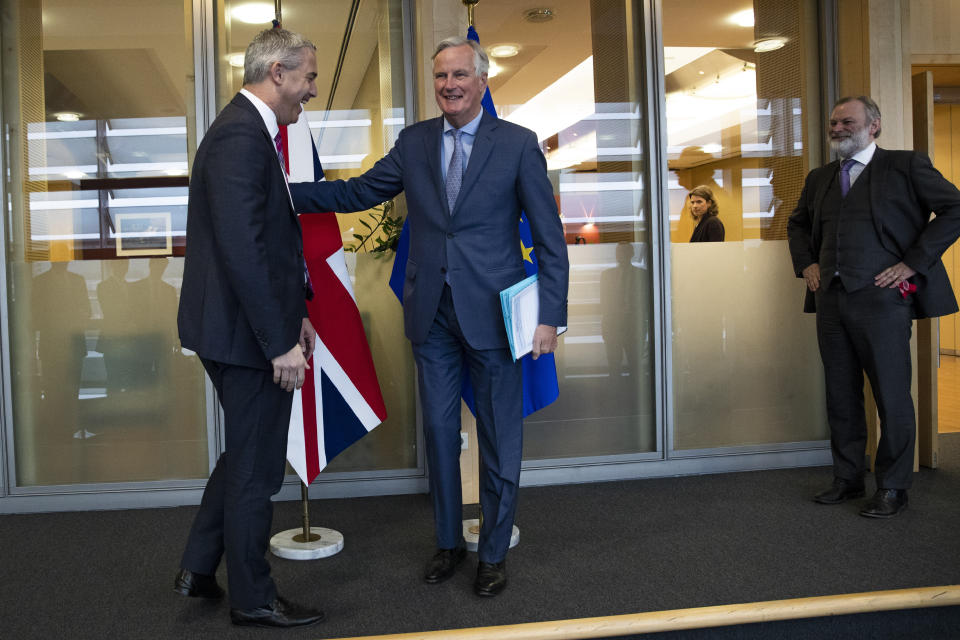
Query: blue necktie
455, 170
845, 176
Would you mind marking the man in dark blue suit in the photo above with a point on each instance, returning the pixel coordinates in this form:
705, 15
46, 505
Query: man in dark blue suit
242, 310
467, 177
863, 240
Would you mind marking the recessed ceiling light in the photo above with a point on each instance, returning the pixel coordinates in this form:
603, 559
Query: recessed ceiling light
769, 44
236, 60
743, 18
542, 14
713, 147
253, 12
67, 116
494, 69
504, 50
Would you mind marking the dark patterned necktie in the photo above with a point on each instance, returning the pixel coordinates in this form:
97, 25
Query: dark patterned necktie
455, 170
278, 141
307, 283
845, 176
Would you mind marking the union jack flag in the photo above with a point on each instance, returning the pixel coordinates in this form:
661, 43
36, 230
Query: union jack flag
340, 401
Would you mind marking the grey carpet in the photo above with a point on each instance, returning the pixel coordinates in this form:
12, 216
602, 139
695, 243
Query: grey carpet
586, 550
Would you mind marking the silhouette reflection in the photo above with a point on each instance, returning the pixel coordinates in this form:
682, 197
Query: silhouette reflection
624, 327
61, 315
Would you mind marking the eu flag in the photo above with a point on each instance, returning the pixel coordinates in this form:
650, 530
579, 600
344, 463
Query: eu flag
540, 386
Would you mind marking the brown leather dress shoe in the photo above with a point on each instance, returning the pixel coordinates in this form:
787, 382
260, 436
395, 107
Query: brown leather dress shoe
491, 578
841, 491
197, 585
280, 613
443, 564
885, 503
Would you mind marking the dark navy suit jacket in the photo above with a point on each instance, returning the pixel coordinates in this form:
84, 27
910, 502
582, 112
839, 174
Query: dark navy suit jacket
904, 189
476, 247
242, 301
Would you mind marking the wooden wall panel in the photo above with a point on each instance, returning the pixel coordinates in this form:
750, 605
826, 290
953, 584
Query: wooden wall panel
943, 160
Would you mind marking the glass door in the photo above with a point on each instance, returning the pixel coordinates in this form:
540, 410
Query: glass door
98, 122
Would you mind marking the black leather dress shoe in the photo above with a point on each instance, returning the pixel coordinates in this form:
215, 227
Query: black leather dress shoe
491, 578
197, 585
280, 613
443, 563
885, 503
841, 491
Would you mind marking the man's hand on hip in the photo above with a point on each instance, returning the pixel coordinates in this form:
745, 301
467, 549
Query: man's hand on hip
812, 276
544, 340
289, 370
891, 277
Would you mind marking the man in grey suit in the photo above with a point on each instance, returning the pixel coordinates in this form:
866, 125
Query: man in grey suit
862, 239
242, 310
467, 178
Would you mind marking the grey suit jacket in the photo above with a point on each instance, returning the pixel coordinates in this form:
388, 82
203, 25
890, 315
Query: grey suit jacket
476, 247
904, 189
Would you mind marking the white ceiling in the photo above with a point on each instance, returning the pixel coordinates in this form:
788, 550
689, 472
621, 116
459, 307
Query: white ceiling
159, 27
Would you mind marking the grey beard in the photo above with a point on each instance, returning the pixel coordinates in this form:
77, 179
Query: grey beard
849, 147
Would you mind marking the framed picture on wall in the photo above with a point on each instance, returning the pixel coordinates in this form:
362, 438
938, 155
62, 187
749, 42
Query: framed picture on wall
144, 234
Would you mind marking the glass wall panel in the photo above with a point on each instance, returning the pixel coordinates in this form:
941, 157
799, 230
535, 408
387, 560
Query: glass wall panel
571, 75
355, 119
742, 121
98, 122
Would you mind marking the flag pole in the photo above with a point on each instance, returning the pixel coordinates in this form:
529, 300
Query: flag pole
306, 543
471, 527
311, 542
469, 4
307, 535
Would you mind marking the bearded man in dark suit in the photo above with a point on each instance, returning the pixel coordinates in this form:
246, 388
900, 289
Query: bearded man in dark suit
863, 240
467, 177
242, 311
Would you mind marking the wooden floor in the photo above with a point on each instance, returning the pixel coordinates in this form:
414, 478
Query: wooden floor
948, 392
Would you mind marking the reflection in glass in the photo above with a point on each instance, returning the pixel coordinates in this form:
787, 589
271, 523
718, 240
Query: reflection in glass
96, 99
573, 81
736, 123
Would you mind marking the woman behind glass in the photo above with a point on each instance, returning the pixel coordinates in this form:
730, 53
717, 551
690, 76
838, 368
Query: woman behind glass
703, 208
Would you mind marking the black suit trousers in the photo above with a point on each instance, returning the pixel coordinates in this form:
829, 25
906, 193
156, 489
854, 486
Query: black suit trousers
868, 330
236, 512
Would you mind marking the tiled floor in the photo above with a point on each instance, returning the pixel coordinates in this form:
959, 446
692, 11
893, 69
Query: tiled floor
948, 392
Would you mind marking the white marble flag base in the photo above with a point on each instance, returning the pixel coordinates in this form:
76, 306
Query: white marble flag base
471, 533
284, 546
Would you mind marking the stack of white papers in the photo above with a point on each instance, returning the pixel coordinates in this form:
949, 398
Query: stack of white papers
521, 315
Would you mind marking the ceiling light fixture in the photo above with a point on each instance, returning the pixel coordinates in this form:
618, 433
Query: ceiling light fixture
542, 14
743, 18
253, 12
504, 50
769, 44
236, 60
494, 70
67, 116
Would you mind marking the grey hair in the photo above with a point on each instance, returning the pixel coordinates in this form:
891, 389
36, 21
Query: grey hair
269, 46
871, 108
481, 63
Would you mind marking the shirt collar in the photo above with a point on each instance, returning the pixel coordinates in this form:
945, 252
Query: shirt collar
865, 155
269, 117
470, 128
